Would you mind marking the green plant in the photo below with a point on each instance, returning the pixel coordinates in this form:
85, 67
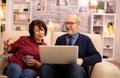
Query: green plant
101, 5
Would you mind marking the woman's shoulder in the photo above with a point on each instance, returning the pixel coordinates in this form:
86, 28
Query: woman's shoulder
25, 38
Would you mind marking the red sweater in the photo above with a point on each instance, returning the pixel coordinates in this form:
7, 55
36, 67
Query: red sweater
25, 45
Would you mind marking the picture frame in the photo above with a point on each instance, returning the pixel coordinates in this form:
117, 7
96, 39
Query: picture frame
18, 28
110, 7
62, 2
2, 27
83, 6
40, 5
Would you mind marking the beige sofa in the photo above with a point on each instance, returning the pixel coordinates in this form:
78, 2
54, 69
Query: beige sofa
103, 69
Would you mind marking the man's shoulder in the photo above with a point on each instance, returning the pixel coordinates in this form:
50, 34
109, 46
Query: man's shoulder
62, 36
84, 36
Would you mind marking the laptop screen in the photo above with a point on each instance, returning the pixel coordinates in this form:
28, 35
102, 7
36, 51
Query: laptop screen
58, 54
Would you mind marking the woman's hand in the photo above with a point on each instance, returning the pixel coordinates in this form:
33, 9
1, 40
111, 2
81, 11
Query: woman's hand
7, 45
7, 42
33, 62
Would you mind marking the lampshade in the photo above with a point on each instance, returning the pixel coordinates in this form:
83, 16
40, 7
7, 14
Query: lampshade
93, 2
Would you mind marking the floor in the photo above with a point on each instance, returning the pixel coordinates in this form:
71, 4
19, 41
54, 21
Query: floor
115, 63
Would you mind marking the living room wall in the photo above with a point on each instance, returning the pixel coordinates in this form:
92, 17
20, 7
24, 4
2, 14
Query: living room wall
58, 13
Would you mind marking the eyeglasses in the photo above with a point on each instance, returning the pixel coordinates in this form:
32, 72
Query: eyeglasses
69, 23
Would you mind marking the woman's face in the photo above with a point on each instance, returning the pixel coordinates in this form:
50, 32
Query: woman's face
38, 34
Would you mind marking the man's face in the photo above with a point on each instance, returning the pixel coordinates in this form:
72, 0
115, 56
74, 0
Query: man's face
72, 25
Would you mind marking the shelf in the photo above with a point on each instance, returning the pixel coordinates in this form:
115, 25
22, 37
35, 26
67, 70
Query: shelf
104, 14
105, 24
108, 37
21, 14
21, 22
22, 1
98, 25
108, 48
27, 12
109, 58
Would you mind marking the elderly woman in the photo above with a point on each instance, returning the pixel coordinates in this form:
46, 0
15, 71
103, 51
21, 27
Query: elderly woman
25, 60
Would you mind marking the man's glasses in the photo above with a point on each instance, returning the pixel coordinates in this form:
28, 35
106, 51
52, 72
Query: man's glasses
69, 23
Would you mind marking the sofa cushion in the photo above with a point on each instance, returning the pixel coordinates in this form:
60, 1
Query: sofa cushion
54, 36
105, 69
3, 63
97, 41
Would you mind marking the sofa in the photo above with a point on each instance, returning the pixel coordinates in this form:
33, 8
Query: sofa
103, 69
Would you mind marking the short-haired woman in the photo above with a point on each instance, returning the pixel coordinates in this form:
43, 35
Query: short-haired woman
25, 60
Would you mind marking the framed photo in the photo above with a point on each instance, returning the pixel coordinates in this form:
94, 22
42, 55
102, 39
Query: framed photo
2, 27
18, 29
110, 7
40, 5
62, 2
83, 5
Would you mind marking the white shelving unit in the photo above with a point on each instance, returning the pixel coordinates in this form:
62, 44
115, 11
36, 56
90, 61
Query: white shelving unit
21, 14
105, 24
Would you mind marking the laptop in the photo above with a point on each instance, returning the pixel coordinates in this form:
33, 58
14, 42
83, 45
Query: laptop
58, 54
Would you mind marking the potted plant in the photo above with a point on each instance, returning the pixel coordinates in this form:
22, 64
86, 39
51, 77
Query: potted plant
101, 6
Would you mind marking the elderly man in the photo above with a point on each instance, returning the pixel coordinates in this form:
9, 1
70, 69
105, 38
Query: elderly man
88, 55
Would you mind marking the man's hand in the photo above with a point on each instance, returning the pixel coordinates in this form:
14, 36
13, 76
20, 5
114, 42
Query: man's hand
79, 61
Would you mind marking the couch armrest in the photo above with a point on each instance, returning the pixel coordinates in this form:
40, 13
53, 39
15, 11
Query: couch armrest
3, 63
105, 69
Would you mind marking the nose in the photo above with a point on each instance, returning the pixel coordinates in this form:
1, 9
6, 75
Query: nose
68, 26
40, 32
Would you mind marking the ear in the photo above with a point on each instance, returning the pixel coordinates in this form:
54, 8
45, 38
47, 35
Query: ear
78, 24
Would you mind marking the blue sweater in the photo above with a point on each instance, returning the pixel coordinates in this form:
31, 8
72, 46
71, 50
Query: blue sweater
87, 51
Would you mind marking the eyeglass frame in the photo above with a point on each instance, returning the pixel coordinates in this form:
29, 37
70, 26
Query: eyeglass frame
70, 23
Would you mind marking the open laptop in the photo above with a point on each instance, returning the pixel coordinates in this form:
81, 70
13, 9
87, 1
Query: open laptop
58, 54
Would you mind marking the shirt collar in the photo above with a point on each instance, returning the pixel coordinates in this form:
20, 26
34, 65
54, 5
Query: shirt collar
74, 36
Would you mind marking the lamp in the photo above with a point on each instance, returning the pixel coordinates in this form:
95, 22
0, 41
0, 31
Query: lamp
52, 26
93, 4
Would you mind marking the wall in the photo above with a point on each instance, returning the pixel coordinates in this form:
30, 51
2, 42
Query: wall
117, 49
58, 14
